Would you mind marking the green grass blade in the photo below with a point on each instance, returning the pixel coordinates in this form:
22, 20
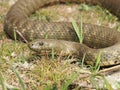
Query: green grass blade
46, 36
15, 35
53, 54
65, 86
97, 65
20, 80
83, 59
76, 28
78, 31
2, 82
81, 30
108, 86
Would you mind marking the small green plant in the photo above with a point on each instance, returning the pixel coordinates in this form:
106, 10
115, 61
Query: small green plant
96, 67
78, 31
94, 70
68, 82
94, 81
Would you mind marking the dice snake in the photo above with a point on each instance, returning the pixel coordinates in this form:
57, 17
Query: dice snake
96, 38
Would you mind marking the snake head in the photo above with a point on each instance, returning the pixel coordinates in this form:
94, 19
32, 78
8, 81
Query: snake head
60, 47
40, 45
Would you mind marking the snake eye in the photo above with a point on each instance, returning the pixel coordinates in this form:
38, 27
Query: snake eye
41, 43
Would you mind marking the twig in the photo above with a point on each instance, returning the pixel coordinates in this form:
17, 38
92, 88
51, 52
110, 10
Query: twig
109, 70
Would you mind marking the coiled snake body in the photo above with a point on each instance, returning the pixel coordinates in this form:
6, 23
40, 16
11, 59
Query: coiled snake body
106, 40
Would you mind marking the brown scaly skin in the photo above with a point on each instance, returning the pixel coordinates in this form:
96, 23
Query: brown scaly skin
94, 36
109, 56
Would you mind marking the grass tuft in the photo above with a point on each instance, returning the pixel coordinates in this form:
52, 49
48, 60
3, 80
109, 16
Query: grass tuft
97, 64
78, 31
68, 82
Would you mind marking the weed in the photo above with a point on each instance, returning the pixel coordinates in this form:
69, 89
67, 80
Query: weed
97, 64
78, 31
68, 82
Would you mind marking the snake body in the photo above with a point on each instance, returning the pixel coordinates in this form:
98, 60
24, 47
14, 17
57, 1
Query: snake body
105, 40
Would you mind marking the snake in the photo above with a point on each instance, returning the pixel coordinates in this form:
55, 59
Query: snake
62, 36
